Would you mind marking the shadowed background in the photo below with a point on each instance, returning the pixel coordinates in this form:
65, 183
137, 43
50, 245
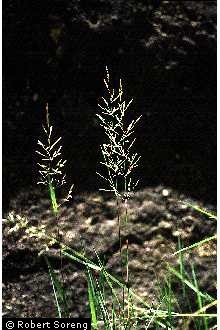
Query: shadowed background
165, 52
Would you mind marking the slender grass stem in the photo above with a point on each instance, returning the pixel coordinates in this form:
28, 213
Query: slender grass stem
120, 249
118, 164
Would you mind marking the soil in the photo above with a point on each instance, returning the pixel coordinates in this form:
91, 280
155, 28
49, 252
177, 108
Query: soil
157, 216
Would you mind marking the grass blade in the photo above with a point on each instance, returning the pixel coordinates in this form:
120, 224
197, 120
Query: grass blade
189, 284
199, 298
214, 237
209, 215
58, 291
92, 299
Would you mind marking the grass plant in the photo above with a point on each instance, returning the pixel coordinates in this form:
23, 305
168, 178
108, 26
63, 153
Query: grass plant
119, 162
112, 301
51, 170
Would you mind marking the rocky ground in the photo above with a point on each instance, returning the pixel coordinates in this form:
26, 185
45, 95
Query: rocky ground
156, 217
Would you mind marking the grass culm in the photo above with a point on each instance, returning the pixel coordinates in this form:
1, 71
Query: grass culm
119, 163
51, 170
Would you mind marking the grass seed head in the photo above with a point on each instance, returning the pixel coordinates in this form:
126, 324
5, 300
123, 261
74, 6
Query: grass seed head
52, 164
118, 159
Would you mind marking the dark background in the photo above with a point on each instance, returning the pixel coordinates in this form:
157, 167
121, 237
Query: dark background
165, 51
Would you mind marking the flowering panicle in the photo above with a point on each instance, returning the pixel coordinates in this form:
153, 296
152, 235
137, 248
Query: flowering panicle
118, 159
52, 164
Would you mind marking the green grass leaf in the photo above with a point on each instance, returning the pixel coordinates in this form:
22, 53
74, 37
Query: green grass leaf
58, 291
214, 237
209, 215
92, 299
189, 284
